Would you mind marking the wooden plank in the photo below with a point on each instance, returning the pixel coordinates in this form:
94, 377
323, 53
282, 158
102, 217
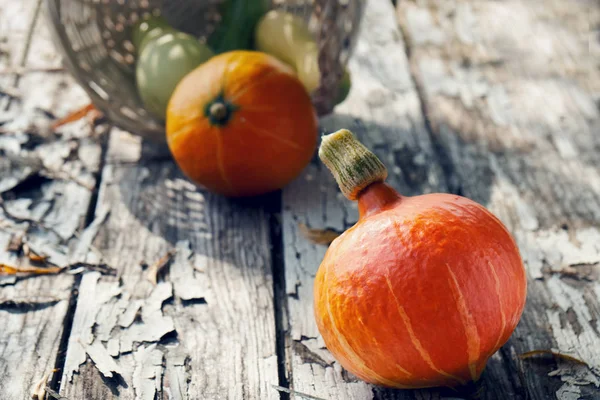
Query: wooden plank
16, 24
207, 329
34, 310
511, 92
383, 110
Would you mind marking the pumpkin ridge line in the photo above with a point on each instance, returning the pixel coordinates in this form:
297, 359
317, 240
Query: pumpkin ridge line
173, 136
220, 164
348, 348
260, 131
415, 341
471, 334
184, 127
234, 96
230, 62
502, 315
411, 333
524, 285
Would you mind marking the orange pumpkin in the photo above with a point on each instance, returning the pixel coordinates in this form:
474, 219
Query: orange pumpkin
422, 290
241, 124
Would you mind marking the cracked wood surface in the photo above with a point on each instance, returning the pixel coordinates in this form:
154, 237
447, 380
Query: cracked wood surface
383, 110
511, 92
206, 328
534, 165
33, 310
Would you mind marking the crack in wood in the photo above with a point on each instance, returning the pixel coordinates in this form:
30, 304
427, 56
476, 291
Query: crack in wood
27, 143
24, 305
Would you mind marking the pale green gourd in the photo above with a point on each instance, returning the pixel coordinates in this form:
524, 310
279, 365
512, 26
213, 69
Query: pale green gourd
287, 37
163, 62
147, 29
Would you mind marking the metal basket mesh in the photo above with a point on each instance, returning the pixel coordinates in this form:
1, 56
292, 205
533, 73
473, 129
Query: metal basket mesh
94, 38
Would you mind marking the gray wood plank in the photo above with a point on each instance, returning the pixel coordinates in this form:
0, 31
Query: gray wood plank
33, 310
207, 329
511, 92
383, 110
16, 24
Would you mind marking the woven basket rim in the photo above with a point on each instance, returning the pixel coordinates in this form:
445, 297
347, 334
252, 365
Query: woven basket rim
150, 127
60, 39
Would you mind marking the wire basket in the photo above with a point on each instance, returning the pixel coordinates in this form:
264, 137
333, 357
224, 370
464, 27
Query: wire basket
95, 40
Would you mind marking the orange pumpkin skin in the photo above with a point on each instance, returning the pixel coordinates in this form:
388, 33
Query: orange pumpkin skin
268, 133
421, 291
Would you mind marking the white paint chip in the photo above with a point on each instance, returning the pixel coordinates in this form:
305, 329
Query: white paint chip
102, 359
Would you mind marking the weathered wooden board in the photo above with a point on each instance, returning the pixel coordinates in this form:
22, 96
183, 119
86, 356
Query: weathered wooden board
512, 116
207, 329
511, 93
16, 24
33, 310
383, 110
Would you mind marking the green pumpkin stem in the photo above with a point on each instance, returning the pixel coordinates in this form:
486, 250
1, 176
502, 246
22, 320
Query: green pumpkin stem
353, 165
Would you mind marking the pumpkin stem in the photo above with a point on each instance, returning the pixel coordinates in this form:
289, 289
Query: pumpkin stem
218, 111
353, 165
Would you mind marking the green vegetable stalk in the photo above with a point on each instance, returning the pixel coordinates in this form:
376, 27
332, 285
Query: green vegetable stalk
236, 29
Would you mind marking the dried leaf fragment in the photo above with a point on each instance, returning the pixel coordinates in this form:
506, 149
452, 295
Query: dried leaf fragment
33, 255
6, 269
16, 243
534, 353
75, 115
319, 236
36, 258
39, 389
154, 269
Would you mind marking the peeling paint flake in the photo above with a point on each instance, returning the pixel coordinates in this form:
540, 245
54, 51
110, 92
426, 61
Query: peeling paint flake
147, 373
113, 347
154, 325
128, 316
583, 344
153, 304
559, 249
102, 359
568, 392
183, 274
87, 237
177, 377
151, 330
92, 294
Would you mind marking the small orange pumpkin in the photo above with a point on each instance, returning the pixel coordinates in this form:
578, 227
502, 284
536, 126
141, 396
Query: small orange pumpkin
422, 290
241, 124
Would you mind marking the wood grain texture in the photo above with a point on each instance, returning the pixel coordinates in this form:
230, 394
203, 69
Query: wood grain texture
206, 329
511, 93
16, 25
33, 310
384, 112
467, 169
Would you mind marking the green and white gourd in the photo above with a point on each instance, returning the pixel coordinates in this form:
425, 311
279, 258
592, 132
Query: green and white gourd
287, 37
162, 63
